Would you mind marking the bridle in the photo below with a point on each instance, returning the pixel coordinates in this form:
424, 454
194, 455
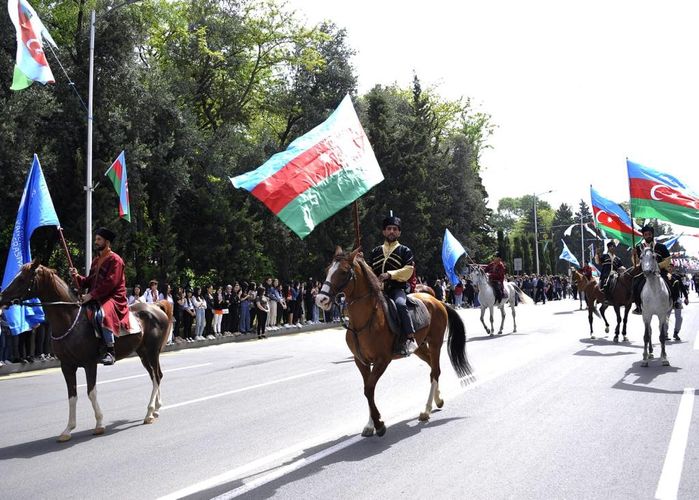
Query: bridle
335, 292
24, 300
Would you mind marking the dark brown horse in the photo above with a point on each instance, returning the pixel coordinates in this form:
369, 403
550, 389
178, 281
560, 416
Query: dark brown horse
74, 341
370, 340
620, 296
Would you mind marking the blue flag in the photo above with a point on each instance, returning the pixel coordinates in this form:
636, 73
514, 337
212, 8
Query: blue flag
35, 210
451, 252
568, 256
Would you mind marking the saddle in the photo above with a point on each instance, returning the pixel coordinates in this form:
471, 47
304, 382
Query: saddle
417, 311
134, 323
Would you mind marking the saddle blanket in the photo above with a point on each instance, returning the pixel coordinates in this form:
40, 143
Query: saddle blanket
134, 323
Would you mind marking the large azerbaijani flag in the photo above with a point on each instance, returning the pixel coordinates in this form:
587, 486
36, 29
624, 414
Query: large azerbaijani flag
659, 195
117, 174
31, 65
612, 219
319, 173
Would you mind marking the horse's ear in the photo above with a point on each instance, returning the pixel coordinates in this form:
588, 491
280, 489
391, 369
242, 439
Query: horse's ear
355, 252
36, 262
338, 250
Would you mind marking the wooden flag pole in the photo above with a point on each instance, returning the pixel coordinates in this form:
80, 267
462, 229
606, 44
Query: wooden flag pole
70, 261
357, 234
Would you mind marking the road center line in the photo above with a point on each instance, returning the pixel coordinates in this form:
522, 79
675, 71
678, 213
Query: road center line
145, 374
669, 482
242, 389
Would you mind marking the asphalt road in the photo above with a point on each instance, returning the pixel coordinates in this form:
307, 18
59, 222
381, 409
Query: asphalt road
553, 414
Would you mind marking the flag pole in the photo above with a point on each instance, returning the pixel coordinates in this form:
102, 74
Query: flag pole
633, 234
357, 234
70, 261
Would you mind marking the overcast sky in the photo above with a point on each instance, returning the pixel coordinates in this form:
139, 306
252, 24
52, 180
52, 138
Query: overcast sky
573, 87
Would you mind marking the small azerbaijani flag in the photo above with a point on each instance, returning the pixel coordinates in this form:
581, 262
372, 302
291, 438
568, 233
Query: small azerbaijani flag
31, 65
320, 172
612, 219
117, 174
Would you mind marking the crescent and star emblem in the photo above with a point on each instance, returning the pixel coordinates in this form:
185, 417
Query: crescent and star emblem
39, 49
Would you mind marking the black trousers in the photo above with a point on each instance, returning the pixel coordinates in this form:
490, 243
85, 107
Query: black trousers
400, 298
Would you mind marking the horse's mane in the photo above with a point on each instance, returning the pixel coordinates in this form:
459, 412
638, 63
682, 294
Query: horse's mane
373, 280
48, 278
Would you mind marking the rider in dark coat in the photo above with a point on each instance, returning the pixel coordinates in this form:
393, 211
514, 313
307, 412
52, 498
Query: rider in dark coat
609, 262
680, 298
393, 263
662, 256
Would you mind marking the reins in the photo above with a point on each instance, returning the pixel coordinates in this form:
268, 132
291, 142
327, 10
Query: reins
70, 329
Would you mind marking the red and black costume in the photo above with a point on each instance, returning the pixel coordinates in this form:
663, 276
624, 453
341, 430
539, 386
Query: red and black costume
496, 274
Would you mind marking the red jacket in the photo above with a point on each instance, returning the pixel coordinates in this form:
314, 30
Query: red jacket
496, 271
107, 285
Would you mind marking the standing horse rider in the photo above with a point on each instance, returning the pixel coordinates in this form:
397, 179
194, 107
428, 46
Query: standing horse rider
662, 256
609, 262
393, 263
107, 287
496, 274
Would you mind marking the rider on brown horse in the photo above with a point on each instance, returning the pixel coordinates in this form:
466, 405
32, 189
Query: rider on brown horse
107, 287
608, 262
393, 263
662, 256
496, 274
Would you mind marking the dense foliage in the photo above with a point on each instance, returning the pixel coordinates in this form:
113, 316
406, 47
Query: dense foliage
197, 91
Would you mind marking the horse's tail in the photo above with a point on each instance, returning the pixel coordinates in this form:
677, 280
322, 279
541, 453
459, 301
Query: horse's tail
168, 310
456, 344
523, 297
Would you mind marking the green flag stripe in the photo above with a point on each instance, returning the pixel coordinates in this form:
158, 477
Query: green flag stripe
665, 211
20, 81
318, 203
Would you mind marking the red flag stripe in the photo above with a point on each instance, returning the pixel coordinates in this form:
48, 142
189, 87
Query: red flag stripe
651, 190
306, 170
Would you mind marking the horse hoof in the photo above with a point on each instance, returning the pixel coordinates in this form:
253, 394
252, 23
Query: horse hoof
439, 403
616, 339
381, 430
514, 331
606, 329
644, 364
424, 417
625, 339
593, 337
98, 431
651, 356
149, 420
666, 362
492, 334
156, 414
368, 432
500, 332
63, 438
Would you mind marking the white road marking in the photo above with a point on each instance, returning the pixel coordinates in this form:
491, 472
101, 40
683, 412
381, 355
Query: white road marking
696, 342
145, 374
242, 389
519, 359
669, 482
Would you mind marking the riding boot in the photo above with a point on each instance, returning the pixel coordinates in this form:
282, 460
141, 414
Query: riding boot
109, 357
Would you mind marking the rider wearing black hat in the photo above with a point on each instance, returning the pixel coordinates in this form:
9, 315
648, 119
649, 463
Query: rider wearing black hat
662, 256
393, 263
608, 262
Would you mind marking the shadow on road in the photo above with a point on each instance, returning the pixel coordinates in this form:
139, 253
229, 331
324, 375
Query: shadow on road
358, 451
488, 337
50, 445
645, 376
589, 352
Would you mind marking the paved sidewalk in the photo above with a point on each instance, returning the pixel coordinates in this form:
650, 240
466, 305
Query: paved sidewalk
54, 363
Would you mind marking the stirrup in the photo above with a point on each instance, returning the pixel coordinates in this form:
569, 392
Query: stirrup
108, 359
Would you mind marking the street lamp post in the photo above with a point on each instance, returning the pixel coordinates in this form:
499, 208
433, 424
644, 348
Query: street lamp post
536, 231
89, 187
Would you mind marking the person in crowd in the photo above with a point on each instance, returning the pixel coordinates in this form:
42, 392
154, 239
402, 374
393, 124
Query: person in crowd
245, 326
152, 295
178, 316
226, 309
199, 313
235, 308
459, 294
252, 293
262, 306
218, 311
135, 295
209, 312
188, 315
273, 298
680, 298
540, 290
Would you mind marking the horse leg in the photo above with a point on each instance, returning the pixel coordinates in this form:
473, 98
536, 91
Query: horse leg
606, 323
663, 338
369, 388
91, 376
626, 317
152, 372
69, 372
514, 315
492, 324
646, 341
502, 319
482, 321
158, 402
589, 318
365, 371
424, 354
617, 311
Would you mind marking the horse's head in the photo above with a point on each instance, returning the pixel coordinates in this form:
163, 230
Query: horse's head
648, 263
22, 286
476, 274
340, 274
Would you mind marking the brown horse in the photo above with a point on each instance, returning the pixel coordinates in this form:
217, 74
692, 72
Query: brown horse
76, 344
371, 341
620, 296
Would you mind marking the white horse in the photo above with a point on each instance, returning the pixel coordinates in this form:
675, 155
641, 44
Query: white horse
655, 301
486, 297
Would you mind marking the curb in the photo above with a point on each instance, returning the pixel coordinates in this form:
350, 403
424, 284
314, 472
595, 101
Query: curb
37, 365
